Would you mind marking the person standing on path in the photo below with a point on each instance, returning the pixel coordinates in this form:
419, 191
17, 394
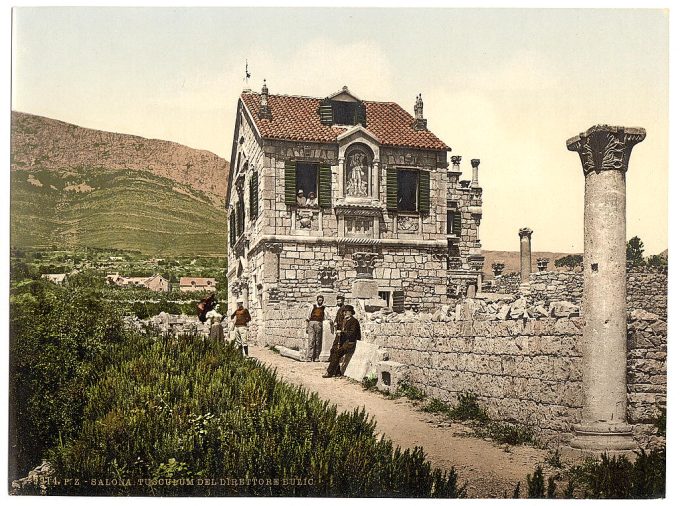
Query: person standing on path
241, 318
338, 321
314, 321
215, 319
351, 333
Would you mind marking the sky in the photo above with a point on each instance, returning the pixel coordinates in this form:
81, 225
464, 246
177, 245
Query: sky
507, 86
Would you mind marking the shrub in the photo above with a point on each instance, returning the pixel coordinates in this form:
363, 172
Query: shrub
59, 341
619, 478
506, 433
410, 392
186, 408
369, 382
468, 408
536, 484
436, 406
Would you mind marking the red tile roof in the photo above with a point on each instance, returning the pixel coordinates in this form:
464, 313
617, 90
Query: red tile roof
297, 119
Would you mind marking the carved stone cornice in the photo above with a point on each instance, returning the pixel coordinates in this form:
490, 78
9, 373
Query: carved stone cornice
345, 208
605, 147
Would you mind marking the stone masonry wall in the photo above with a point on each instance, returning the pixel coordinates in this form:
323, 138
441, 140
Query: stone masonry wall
524, 371
647, 288
505, 283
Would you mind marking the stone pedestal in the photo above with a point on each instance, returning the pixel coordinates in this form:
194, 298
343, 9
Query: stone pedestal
364, 289
326, 342
525, 253
390, 374
604, 153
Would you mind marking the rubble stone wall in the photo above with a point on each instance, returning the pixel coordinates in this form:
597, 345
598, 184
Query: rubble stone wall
647, 288
524, 371
505, 283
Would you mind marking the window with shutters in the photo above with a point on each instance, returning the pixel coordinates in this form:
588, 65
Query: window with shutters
407, 190
341, 112
307, 184
453, 222
232, 229
254, 203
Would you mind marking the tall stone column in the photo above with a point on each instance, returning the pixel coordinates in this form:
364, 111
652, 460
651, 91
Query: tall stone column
524, 253
604, 151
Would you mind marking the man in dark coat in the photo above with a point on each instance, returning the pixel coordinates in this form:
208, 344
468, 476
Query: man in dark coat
351, 333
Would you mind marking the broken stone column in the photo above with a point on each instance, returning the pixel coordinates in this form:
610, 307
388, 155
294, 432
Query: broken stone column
525, 253
604, 151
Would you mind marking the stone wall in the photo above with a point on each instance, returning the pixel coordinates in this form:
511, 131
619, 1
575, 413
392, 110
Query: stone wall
505, 283
524, 371
552, 286
647, 288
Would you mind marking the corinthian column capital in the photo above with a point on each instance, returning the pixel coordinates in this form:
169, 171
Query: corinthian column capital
605, 147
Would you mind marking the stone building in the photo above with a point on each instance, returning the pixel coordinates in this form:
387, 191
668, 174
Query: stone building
342, 195
193, 284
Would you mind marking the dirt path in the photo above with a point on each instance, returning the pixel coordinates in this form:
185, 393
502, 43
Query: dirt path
489, 469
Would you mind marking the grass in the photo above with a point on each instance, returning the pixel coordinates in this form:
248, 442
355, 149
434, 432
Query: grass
130, 210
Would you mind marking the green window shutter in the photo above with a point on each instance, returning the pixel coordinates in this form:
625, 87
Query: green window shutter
326, 112
398, 298
391, 189
457, 223
232, 229
360, 114
290, 182
424, 191
325, 186
254, 204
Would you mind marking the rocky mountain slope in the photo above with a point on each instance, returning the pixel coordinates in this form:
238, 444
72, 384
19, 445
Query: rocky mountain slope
73, 187
39, 142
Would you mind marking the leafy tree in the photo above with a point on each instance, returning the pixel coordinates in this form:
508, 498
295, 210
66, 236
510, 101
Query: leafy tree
569, 261
634, 251
657, 261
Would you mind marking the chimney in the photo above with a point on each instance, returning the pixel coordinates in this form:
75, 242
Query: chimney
265, 111
420, 123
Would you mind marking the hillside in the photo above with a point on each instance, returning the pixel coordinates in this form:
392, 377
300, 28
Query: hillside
73, 187
39, 142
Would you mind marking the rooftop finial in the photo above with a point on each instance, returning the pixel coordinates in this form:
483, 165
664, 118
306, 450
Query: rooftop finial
421, 123
265, 110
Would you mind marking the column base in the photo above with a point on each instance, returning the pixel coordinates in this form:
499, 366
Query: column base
602, 437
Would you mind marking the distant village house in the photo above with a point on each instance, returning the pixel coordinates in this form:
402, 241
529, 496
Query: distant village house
156, 283
58, 279
189, 284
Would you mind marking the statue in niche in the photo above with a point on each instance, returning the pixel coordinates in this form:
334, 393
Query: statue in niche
357, 175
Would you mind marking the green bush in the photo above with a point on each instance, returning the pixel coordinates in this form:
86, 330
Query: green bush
184, 408
619, 478
59, 341
468, 408
410, 392
506, 433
